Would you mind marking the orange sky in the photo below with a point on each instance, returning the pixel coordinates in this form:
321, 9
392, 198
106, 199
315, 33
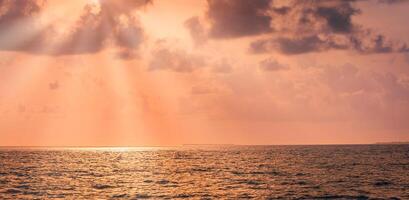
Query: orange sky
171, 72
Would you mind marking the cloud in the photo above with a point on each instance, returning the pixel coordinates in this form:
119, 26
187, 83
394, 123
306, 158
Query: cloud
197, 30
17, 18
12, 11
326, 93
392, 1
345, 79
323, 25
272, 64
350, 84
110, 21
290, 46
292, 27
238, 18
165, 57
365, 42
338, 18
114, 21
393, 88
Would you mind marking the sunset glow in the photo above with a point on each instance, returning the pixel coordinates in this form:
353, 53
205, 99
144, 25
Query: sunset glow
163, 73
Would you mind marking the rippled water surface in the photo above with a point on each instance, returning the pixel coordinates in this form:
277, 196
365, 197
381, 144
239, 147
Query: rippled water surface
230, 172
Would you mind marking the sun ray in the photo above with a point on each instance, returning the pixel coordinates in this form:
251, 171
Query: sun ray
34, 72
153, 109
155, 112
129, 126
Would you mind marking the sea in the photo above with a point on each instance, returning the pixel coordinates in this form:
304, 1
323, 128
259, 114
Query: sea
206, 172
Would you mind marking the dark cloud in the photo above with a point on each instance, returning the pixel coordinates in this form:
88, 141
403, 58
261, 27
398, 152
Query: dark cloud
238, 18
323, 25
293, 27
18, 17
393, 1
272, 64
338, 18
296, 45
114, 22
289, 46
12, 11
312, 17
281, 10
368, 42
111, 21
88, 35
300, 45
365, 42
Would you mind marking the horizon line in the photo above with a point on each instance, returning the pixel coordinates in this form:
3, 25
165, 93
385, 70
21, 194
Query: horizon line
186, 145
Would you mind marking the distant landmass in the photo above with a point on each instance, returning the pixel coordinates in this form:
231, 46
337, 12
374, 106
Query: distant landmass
209, 145
406, 142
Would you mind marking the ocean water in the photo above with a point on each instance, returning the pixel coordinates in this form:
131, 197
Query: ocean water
207, 172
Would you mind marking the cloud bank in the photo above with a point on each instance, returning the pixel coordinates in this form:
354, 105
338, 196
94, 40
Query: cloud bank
110, 22
292, 27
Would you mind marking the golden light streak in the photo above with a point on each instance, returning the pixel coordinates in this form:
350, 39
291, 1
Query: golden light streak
139, 123
27, 80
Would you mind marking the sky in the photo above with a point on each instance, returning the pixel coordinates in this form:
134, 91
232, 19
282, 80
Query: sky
173, 72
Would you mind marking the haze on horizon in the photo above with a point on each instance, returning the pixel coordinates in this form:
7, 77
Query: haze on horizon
158, 72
